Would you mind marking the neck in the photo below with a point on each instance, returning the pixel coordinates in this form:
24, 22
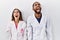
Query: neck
17, 21
38, 15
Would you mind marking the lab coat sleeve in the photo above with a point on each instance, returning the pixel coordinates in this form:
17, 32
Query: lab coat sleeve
8, 32
29, 29
49, 32
25, 36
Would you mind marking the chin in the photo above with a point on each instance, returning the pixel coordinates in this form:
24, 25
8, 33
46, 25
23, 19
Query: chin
37, 11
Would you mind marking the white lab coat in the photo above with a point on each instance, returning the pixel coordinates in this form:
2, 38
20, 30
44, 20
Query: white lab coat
39, 31
16, 34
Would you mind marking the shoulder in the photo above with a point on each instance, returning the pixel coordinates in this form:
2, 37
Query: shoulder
30, 18
22, 22
10, 22
48, 18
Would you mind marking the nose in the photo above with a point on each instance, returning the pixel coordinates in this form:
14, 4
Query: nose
37, 5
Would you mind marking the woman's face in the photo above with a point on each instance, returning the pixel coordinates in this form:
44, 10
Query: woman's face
16, 14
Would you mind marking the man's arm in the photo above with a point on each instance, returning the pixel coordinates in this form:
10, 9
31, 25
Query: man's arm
49, 29
29, 29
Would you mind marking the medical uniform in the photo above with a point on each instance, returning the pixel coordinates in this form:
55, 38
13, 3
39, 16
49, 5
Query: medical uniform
18, 33
39, 31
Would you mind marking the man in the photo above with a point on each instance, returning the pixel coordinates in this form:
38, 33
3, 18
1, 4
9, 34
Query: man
38, 25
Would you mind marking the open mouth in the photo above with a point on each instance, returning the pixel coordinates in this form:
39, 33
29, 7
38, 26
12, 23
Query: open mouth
16, 16
38, 10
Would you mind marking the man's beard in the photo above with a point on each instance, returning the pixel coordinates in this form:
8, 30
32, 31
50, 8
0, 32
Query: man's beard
37, 11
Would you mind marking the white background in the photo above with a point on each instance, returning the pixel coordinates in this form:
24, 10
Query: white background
50, 7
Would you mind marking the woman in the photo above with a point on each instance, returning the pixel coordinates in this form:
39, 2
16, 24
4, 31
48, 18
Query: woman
17, 27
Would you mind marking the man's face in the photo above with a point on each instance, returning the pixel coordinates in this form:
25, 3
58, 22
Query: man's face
37, 7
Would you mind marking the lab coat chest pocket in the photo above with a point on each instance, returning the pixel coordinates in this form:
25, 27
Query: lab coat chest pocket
21, 31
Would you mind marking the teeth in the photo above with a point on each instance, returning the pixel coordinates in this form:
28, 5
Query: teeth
38, 10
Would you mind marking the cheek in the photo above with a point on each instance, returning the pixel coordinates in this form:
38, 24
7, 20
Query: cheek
18, 15
34, 8
14, 14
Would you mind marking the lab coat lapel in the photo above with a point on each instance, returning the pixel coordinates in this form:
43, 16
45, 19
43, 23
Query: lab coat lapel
14, 25
36, 19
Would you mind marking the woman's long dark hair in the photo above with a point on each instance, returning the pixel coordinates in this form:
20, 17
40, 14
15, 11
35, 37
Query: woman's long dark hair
20, 18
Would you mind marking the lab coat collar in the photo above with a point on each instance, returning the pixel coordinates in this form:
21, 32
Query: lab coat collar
36, 19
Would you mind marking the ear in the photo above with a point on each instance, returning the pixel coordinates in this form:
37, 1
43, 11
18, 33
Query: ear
32, 8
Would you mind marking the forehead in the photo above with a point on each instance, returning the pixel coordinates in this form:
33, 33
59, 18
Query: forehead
16, 10
36, 3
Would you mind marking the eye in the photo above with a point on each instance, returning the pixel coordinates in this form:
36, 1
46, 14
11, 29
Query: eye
17, 12
35, 4
38, 4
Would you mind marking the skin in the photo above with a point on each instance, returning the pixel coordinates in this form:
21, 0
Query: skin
16, 16
37, 9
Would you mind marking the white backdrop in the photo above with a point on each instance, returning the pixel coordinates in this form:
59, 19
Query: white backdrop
50, 7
